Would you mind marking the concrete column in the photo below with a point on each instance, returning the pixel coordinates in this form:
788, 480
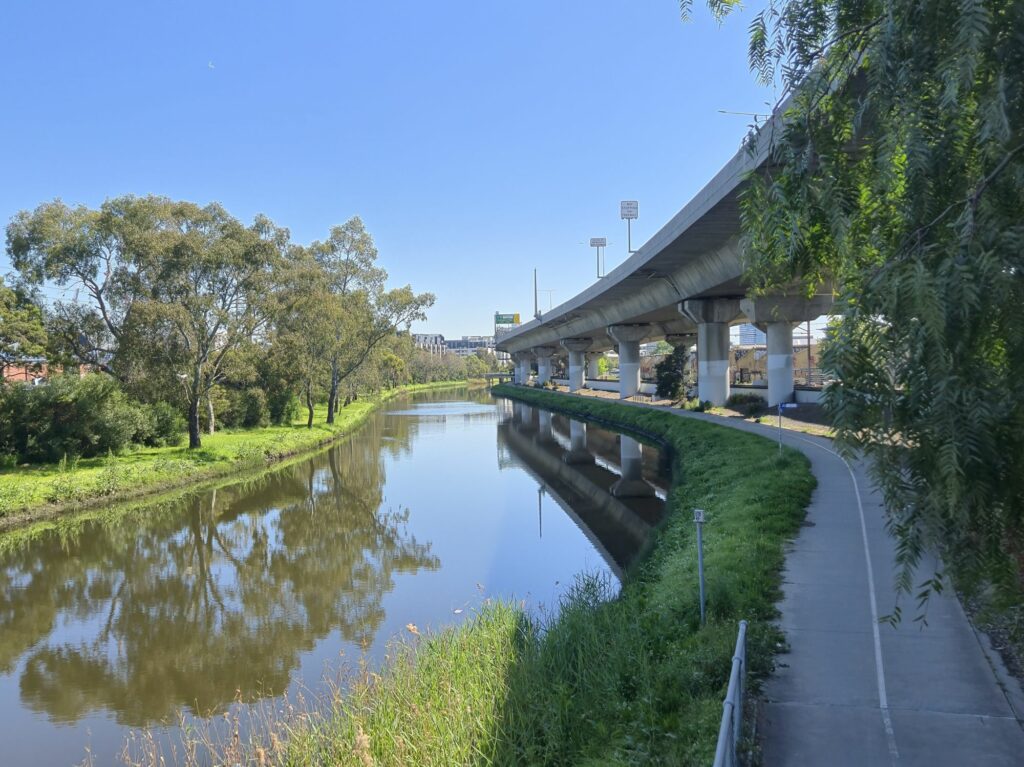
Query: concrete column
631, 461
776, 315
593, 368
577, 453
780, 362
543, 354
629, 338
576, 347
712, 316
522, 367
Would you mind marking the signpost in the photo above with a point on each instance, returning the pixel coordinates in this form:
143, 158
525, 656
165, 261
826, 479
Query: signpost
783, 406
698, 518
599, 243
629, 210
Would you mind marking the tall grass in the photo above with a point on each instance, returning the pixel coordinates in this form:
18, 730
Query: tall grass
632, 678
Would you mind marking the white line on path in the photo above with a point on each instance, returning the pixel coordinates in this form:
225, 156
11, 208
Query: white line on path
883, 698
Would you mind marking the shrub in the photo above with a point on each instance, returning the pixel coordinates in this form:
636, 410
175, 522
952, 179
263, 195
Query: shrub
671, 374
252, 409
70, 416
283, 407
746, 403
167, 426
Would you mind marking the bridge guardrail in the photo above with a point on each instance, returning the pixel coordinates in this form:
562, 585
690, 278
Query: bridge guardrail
732, 707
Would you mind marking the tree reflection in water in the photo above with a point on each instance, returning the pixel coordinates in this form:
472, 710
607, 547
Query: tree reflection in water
191, 604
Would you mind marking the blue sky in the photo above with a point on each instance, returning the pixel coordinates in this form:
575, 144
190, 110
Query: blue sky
476, 140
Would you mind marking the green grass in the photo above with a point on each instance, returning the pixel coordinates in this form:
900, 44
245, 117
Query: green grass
626, 679
33, 491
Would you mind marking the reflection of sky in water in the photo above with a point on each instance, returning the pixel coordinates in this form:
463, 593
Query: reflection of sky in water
257, 586
446, 409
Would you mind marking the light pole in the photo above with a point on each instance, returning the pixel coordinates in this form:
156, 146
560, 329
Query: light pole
598, 244
536, 310
629, 210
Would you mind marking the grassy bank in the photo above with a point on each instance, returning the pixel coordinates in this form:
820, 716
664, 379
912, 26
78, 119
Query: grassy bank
627, 679
43, 490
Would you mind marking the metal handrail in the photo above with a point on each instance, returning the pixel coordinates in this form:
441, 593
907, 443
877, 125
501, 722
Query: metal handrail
732, 707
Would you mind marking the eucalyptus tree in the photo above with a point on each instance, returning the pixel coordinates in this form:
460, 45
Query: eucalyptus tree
898, 173
369, 313
205, 288
307, 326
89, 252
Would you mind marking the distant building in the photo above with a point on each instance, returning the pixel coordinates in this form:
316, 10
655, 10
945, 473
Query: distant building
430, 342
751, 336
468, 345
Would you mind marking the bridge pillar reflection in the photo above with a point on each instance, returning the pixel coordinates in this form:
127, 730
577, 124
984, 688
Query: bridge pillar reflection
712, 316
777, 315
543, 354
577, 364
629, 338
577, 453
631, 460
544, 426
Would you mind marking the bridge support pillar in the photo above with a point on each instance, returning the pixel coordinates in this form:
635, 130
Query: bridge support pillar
776, 315
712, 316
631, 460
522, 369
577, 363
543, 354
629, 338
593, 366
577, 453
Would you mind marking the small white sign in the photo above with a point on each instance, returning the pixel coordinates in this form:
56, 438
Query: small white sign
788, 405
629, 209
698, 516
598, 242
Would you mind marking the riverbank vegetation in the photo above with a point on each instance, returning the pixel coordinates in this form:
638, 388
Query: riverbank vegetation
631, 678
185, 308
185, 323
33, 491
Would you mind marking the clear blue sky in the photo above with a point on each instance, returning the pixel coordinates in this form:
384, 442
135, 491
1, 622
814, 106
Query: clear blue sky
476, 140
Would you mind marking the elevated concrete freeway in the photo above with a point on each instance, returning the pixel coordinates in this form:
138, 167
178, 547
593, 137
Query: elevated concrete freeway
684, 285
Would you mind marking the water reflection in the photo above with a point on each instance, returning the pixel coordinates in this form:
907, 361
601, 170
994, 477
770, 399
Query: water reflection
611, 485
187, 610
252, 589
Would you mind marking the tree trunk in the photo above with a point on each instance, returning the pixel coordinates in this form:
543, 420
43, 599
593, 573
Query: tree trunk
332, 398
194, 439
309, 405
210, 425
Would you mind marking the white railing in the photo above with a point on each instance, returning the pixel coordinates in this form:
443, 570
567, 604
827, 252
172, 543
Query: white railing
732, 708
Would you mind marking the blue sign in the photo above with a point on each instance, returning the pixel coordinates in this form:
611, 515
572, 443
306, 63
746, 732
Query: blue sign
787, 405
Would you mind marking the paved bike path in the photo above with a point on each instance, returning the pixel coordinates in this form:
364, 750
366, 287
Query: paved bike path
852, 691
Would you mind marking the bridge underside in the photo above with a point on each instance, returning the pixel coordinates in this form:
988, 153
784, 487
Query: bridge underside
684, 285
